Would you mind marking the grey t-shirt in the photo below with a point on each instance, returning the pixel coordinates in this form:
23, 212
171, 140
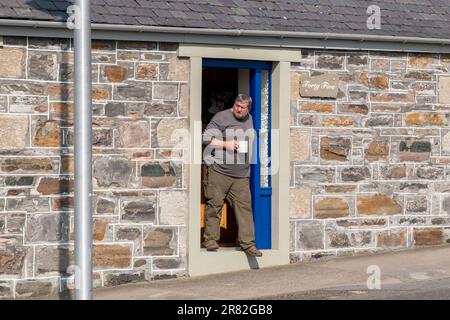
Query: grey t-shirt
225, 126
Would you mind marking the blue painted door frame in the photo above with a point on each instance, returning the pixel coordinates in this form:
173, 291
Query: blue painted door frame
261, 196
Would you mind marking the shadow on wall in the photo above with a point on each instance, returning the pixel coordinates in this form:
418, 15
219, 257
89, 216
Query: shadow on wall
53, 135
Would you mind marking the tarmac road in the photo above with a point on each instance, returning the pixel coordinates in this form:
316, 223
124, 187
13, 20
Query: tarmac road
422, 273
418, 290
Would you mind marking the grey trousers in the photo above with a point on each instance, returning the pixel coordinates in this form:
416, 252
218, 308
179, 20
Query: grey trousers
217, 187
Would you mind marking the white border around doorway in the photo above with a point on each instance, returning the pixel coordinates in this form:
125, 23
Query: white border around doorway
201, 262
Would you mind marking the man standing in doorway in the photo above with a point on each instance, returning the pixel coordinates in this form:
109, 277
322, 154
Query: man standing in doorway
229, 138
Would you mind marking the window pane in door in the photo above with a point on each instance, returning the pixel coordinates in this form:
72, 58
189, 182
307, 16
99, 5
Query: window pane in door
264, 132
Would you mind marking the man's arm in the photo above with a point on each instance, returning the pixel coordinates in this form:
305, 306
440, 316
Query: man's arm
213, 136
230, 145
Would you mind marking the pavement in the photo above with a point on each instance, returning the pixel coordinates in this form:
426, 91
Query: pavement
422, 273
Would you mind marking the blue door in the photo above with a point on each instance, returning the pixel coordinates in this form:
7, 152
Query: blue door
260, 182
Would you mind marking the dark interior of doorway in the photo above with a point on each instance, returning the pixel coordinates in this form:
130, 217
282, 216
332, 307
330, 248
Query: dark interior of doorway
219, 88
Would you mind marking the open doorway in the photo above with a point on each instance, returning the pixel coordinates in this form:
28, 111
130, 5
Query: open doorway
219, 88
202, 262
222, 80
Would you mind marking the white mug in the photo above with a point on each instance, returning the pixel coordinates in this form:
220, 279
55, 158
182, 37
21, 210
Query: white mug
243, 147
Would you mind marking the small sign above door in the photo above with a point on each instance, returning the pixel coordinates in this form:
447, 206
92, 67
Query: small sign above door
323, 86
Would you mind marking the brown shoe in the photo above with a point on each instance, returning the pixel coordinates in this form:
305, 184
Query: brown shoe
210, 245
253, 251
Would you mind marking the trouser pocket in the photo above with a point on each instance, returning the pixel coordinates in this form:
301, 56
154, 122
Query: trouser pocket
205, 181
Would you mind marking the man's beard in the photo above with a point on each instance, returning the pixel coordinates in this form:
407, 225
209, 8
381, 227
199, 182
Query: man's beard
238, 116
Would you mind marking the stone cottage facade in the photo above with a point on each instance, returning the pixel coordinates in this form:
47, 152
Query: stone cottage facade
139, 97
368, 167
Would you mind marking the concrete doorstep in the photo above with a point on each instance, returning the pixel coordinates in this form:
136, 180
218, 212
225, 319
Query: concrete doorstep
398, 275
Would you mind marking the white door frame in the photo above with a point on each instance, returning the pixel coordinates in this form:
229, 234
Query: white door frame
201, 262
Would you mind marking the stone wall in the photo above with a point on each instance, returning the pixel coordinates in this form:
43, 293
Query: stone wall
369, 168
140, 95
